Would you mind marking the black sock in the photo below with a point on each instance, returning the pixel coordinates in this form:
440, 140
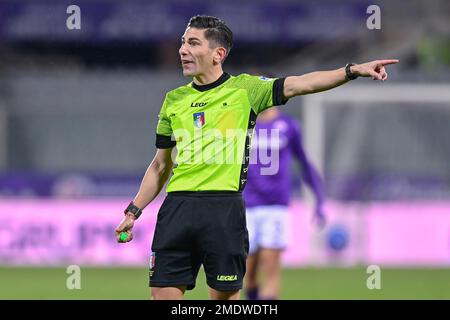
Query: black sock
252, 294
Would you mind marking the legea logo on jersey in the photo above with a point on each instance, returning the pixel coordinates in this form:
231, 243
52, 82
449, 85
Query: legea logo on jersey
198, 104
199, 119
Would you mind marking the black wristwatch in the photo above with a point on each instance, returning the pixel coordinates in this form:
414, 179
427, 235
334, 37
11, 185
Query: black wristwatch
349, 75
134, 210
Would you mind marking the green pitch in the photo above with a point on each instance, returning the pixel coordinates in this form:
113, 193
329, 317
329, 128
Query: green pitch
309, 283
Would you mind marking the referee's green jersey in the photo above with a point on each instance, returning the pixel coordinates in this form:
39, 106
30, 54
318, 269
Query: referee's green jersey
211, 127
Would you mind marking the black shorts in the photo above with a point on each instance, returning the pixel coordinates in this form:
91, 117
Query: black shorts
195, 228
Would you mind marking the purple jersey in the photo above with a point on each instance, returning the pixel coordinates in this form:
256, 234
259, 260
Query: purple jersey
269, 178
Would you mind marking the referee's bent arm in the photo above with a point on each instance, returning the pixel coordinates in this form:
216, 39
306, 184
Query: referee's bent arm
155, 177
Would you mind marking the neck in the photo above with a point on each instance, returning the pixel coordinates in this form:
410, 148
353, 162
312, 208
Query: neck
208, 77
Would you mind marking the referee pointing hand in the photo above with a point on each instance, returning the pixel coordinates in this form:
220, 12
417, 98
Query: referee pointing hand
210, 123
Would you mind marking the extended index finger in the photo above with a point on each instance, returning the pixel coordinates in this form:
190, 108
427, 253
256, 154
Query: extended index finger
388, 61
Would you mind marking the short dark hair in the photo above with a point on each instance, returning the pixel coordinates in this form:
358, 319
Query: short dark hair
216, 30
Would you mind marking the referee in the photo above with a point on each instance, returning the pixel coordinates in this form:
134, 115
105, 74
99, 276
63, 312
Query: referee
202, 219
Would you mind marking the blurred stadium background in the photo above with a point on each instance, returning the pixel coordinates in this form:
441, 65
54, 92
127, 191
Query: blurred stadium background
78, 110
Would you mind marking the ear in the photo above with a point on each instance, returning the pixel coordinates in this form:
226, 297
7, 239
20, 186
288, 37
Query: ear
219, 55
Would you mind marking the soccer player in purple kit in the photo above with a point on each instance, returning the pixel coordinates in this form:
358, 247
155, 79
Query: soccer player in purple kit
277, 140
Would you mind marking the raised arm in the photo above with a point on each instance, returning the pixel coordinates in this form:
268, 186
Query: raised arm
324, 80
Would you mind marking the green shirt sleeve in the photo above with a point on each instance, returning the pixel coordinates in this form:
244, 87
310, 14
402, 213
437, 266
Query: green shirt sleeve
264, 92
164, 129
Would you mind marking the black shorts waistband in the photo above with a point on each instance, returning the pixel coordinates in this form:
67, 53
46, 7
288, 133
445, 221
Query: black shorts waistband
205, 194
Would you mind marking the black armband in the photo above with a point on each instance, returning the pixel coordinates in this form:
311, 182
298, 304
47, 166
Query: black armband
164, 142
278, 97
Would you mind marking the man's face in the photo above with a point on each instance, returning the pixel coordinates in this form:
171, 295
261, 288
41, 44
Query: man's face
196, 55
